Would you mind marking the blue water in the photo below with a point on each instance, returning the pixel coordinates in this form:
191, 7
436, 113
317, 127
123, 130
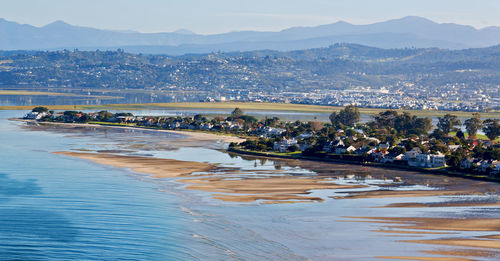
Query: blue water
53, 207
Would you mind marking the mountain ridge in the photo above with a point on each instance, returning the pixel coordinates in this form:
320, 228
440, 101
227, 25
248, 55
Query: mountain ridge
409, 31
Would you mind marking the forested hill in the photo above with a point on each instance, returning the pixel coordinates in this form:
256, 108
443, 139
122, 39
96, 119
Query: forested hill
339, 66
371, 54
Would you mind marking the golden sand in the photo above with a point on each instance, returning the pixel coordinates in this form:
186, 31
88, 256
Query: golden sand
447, 224
408, 194
426, 258
273, 188
159, 168
408, 232
461, 242
442, 204
462, 252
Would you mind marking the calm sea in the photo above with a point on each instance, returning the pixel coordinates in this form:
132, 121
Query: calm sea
57, 208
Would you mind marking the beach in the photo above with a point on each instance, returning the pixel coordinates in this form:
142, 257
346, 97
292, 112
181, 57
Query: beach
407, 208
159, 168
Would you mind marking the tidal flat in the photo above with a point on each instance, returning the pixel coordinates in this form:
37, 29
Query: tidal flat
242, 207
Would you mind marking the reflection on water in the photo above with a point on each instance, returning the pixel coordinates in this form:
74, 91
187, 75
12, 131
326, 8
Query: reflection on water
98, 97
11, 187
107, 213
35, 223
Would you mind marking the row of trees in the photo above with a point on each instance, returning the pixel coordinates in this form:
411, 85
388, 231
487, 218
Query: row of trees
404, 124
450, 123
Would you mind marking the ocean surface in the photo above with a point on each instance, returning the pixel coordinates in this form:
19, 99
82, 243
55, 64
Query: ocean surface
53, 207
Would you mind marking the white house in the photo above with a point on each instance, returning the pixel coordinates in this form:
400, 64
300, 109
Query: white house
467, 163
412, 154
392, 157
332, 145
425, 160
35, 115
283, 145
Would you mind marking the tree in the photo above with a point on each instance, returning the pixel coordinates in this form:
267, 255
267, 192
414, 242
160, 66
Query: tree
460, 134
386, 119
237, 112
491, 128
346, 117
293, 148
40, 109
473, 124
316, 126
422, 126
198, 117
272, 121
70, 113
104, 115
248, 119
397, 150
447, 123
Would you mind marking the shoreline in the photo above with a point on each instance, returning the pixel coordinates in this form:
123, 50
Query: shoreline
226, 138
158, 168
308, 108
367, 164
197, 135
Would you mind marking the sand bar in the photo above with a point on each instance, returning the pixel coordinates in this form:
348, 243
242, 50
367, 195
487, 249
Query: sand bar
426, 258
462, 252
442, 204
461, 242
271, 188
447, 224
408, 194
159, 168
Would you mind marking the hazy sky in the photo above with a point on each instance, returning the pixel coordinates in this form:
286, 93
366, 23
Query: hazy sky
215, 16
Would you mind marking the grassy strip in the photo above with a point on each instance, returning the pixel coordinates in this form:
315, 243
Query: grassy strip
248, 106
478, 136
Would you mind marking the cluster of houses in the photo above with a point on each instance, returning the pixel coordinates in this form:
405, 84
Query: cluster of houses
493, 166
379, 153
35, 115
371, 149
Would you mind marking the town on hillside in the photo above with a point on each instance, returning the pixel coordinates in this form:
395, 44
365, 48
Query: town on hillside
391, 138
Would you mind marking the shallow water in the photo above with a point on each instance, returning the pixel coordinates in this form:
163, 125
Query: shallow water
55, 207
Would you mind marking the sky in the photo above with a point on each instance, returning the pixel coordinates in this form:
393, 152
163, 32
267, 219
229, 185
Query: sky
218, 16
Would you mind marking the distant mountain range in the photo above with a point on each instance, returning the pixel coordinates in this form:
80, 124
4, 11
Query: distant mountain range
406, 32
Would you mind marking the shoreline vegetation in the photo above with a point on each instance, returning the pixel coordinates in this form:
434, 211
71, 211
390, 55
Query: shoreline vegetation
248, 106
392, 140
237, 185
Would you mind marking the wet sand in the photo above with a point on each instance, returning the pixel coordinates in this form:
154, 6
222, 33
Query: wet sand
461, 252
159, 168
409, 194
460, 242
277, 187
426, 226
272, 189
442, 204
445, 224
426, 258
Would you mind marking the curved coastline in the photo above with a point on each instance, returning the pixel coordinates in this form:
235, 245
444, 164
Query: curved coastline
194, 135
